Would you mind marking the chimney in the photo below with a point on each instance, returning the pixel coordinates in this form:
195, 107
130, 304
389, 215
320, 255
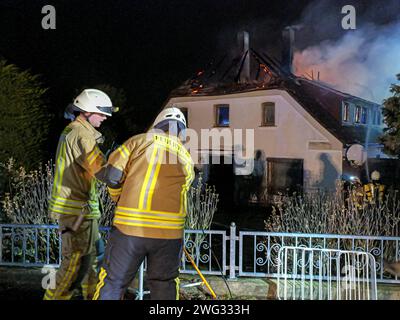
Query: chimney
288, 46
244, 46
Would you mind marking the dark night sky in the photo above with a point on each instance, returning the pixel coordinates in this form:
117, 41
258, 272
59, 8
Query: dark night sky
146, 47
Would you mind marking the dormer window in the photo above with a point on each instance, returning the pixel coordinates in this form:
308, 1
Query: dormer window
364, 115
357, 116
346, 112
378, 117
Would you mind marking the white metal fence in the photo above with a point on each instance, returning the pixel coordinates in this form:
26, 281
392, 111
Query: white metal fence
259, 251
325, 274
231, 253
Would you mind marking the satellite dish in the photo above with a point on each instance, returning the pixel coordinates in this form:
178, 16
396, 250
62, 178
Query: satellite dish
356, 154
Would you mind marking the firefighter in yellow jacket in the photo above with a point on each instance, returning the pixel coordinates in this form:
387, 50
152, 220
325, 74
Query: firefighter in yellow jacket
74, 201
374, 191
150, 175
356, 193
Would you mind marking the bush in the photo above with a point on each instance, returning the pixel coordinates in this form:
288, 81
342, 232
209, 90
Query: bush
26, 202
202, 203
25, 119
331, 213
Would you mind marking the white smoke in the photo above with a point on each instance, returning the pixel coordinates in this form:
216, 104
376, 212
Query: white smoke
363, 62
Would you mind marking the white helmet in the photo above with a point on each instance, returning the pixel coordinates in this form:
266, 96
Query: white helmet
355, 180
93, 100
171, 113
375, 175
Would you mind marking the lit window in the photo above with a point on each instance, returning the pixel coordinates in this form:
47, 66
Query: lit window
268, 109
185, 113
364, 114
222, 115
357, 117
346, 112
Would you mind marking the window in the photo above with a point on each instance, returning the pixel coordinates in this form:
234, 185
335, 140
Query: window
364, 115
378, 117
346, 112
222, 115
285, 175
185, 113
268, 114
357, 117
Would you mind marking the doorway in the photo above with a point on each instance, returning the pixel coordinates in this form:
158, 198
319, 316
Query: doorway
284, 175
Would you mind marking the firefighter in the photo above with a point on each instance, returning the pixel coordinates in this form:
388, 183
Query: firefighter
150, 175
356, 192
74, 200
374, 191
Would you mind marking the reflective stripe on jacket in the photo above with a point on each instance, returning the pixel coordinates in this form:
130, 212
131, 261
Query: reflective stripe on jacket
78, 159
374, 192
150, 175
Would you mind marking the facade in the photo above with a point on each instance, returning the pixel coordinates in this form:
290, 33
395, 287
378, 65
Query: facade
303, 127
285, 131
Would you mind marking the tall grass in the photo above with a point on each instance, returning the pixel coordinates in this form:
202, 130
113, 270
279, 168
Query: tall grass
26, 201
320, 212
335, 213
202, 201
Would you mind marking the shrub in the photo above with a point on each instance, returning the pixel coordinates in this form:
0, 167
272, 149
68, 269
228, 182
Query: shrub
202, 203
26, 202
330, 213
25, 118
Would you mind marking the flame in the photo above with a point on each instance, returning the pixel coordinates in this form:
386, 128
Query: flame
265, 68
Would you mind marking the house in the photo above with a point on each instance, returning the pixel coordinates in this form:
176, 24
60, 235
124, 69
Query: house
310, 134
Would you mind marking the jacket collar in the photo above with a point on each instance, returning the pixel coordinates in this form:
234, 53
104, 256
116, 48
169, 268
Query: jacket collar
86, 124
165, 134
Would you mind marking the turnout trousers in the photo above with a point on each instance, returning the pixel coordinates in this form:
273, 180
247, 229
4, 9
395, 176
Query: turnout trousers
77, 273
123, 257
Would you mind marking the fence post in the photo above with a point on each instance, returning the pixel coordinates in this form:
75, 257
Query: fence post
141, 278
232, 251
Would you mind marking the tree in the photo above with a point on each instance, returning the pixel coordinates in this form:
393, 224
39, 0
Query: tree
24, 120
391, 113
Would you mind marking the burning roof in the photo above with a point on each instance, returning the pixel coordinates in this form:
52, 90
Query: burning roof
252, 70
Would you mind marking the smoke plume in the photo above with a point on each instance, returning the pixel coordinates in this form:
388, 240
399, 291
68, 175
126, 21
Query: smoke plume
363, 62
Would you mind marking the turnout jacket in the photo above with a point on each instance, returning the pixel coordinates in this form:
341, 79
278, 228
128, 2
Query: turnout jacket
149, 177
78, 160
374, 192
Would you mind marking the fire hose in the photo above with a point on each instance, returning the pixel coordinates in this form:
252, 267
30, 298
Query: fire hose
200, 274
